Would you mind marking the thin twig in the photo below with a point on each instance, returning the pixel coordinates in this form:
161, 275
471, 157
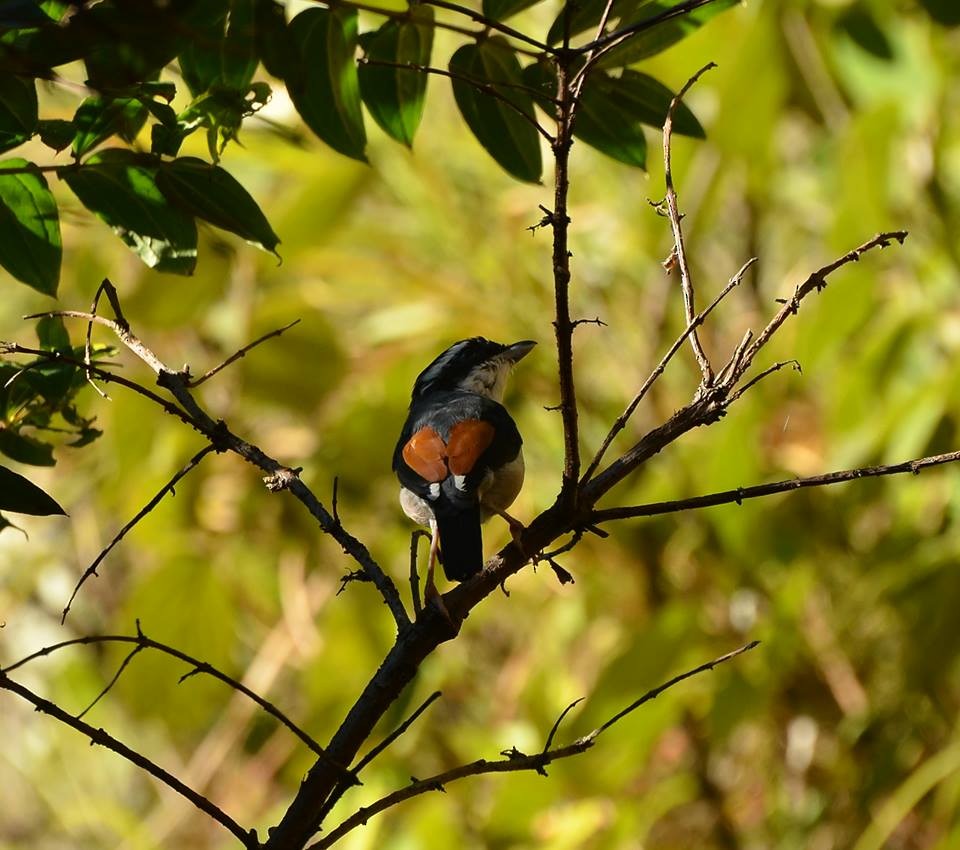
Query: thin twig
555, 729
605, 43
195, 382
776, 367
482, 86
116, 678
492, 24
514, 760
147, 508
741, 494
414, 574
248, 838
658, 370
396, 733
816, 282
673, 214
141, 641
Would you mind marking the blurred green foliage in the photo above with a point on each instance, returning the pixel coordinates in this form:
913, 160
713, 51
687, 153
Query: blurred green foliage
826, 121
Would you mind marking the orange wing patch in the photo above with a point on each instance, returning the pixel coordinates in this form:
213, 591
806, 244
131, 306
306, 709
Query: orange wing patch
426, 454
468, 440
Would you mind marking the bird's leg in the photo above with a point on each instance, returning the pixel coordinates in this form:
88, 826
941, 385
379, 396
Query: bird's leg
516, 527
430, 592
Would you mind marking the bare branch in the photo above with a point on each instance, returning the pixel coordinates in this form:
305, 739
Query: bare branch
195, 382
776, 367
98, 736
658, 370
116, 678
141, 641
605, 43
490, 23
147, 508
741, 494
514, 760
673, 214
396, 733
816, 282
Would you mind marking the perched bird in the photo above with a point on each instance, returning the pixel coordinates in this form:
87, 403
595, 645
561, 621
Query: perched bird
459, 457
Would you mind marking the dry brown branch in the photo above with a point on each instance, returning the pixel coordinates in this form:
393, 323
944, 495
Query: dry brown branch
673, 213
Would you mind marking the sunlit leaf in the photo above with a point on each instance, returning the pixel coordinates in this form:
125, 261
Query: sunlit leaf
214, 195
30, 248
393, 95
658, 37
120, 187
98, 118
18, 110
21, 496
509, 137
326, 91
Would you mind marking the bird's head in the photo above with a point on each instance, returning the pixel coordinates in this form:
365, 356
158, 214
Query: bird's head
476, 365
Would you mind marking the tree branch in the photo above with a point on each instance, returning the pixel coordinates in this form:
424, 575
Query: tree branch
233, 358
98, 736
673, 214
167, 488
741, 494
605, 43
514, 760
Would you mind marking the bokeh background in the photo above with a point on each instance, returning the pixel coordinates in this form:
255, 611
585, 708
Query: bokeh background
827, 121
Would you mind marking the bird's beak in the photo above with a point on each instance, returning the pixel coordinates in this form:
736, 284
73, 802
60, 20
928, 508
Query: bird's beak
519, 350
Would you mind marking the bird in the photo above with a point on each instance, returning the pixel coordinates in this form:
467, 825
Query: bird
459, 458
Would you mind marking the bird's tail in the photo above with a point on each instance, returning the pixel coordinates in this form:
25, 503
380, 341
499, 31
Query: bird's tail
461, 545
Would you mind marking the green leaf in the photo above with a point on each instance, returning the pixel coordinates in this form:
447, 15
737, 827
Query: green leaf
945, 12
52, 334
224, 54
30, 248
56, 133
511, 139
21, 496
645, 99
859, 24
98, 118
658, 37
210, 193
275, 44
120, 187
500, 10
25, 449
326, 91
18, 110
395, 96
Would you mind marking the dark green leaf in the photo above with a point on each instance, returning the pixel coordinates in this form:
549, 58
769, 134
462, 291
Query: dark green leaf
120, 187
21, 496
510, 138
25, 449
56, 133
586, 15
98, 118
52, 334
30, 248
18, 110
946, 12
87, 436
858, 23
18, 14
326, 92
644, 99
658, 37
500, 10
275, 43
395, 96
223, 54
210, 193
